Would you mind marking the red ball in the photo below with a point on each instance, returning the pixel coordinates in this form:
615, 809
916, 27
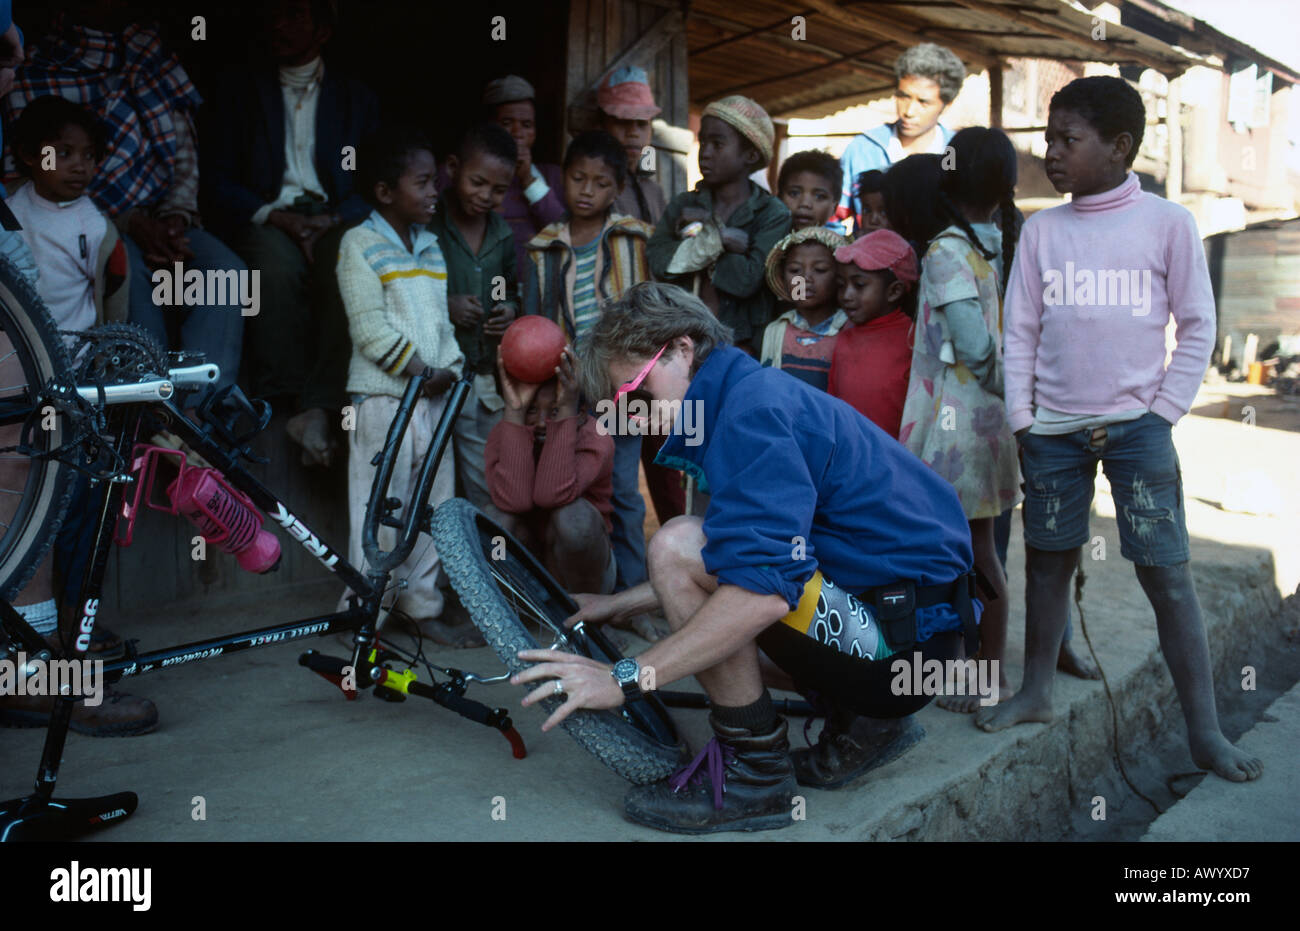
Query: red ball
531, 349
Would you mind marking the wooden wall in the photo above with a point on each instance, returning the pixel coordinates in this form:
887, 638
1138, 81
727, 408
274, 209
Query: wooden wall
1256, 276
649, 35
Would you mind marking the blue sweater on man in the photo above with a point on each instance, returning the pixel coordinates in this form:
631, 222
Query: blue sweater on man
800, 480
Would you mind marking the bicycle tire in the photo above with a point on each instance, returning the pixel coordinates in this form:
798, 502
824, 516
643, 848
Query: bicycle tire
36, 354
624, 747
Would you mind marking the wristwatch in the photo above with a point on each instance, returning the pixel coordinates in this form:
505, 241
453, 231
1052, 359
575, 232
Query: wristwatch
627, 673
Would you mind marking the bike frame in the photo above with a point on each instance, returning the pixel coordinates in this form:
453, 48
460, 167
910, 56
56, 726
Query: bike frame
369, 588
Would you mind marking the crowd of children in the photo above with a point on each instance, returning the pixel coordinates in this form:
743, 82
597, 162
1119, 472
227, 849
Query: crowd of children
905, 322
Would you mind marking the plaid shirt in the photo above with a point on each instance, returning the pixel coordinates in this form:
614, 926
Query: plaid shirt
138, 90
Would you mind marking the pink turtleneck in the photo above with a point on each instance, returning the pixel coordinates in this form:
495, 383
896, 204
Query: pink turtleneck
1093, 285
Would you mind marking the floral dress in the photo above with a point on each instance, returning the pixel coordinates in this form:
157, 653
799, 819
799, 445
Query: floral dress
949, 420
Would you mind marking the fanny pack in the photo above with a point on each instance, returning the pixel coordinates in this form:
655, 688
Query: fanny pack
896, 604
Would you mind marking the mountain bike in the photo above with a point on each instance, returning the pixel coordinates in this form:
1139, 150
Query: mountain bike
85, 409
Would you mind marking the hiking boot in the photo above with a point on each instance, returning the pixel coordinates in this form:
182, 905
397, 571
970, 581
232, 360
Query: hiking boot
118, 715
851, 746
751, 786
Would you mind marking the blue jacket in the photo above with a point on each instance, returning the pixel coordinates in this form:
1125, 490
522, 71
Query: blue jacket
785, 462
866, 152
242, 157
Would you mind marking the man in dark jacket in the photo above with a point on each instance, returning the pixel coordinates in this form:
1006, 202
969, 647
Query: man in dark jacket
826, 545
277, 181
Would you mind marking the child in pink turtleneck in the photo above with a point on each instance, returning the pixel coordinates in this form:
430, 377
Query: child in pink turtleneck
1094, 283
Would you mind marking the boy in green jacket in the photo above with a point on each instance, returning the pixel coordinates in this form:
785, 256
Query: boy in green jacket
482, 287
715, 239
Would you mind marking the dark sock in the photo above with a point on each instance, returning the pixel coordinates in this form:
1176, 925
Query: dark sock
758, 717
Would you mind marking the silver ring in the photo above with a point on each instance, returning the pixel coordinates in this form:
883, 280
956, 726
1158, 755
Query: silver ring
559, 687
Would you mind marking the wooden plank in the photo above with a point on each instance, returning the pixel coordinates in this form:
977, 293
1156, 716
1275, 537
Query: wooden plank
657, 36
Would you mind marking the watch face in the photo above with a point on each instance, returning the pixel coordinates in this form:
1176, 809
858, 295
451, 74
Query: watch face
626, 669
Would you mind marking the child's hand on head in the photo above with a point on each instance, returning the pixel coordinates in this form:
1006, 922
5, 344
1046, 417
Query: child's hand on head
566, 389
735, 239
465, 310
500, 318
517, 394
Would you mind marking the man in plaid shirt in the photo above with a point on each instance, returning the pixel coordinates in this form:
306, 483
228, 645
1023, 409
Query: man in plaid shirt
149, 182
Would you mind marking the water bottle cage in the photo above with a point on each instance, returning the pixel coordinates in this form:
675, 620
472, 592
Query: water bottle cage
144, 463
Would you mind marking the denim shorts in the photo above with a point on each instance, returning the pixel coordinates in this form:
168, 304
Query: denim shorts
1146, 482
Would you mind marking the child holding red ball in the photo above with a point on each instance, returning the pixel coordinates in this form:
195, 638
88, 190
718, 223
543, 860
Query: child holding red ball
550, 469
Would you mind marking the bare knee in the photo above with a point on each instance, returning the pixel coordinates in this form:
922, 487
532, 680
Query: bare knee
676, 546
574, 528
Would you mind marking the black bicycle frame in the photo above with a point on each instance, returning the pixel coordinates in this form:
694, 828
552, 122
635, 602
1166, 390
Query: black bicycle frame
124, 426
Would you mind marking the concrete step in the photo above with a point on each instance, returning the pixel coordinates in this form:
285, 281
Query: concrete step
1263, 810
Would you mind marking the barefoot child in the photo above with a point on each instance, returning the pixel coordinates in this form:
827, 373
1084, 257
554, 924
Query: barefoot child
482, 287
550, 470
873, 356
801, 271
809, 185
1087, 382
394, 285
953, 418
716, 238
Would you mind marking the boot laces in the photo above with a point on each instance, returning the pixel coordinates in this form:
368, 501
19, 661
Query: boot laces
714, 758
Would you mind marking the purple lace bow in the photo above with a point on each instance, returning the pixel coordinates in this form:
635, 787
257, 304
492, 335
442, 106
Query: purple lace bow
718, 755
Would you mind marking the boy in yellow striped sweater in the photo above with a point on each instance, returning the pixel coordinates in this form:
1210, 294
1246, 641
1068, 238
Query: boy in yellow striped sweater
394, 285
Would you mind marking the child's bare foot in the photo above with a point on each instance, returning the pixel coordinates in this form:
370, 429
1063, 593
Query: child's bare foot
310, 430
1215, 753
1019, 709
973, 701
1076, 664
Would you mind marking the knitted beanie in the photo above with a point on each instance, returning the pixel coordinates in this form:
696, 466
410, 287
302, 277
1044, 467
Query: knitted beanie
747, 118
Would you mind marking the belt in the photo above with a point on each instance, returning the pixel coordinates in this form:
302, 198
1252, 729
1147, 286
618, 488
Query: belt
896, 604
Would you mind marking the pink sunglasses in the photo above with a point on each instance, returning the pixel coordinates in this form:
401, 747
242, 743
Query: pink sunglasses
641, 376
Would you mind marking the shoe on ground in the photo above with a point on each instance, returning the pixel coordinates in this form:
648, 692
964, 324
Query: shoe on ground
740, 781
118, 715
850, 747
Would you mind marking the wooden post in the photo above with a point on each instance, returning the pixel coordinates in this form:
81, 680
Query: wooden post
995, 96
1174, 127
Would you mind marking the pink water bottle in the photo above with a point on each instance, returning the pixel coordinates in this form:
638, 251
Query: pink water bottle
226, 517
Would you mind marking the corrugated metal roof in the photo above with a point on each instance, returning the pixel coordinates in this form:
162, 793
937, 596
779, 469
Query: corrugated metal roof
848, 49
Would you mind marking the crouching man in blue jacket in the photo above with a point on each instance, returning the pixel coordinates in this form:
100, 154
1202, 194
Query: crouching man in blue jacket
826, 545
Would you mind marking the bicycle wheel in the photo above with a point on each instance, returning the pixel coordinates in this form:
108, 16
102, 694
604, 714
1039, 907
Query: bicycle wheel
502, 585
34, 492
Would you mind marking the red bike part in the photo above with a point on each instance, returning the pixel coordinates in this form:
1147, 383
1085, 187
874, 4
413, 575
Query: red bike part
516, 743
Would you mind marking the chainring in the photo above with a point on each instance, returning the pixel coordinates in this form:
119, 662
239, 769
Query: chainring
119, 354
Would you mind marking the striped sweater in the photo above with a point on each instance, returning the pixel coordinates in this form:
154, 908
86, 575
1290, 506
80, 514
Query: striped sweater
552, 274
396, 302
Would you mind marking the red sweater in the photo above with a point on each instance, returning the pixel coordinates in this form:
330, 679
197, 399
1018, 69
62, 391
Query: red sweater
576, 461
870, 367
